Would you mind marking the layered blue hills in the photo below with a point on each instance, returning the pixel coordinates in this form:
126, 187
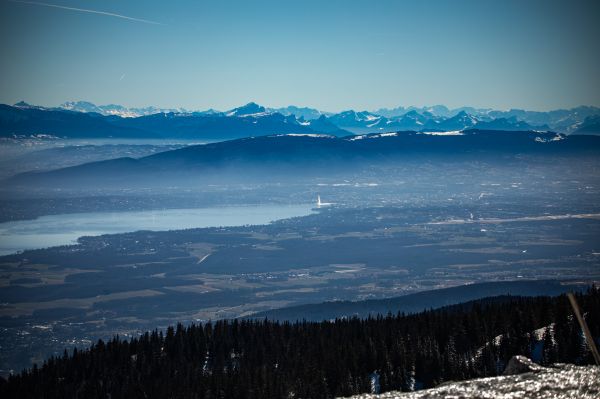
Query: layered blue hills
267, 157
86, 120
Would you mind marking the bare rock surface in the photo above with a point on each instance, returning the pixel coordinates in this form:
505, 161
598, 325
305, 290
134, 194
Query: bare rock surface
521, 364
561, 381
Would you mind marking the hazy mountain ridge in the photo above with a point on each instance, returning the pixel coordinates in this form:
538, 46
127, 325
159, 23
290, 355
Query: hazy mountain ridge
273, 156
179, 123
115, 109
432, 118
29, 121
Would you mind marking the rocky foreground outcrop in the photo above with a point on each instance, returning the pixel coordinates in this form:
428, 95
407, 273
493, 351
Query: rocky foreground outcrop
560, 381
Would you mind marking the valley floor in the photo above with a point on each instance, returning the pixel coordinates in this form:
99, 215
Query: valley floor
395, 229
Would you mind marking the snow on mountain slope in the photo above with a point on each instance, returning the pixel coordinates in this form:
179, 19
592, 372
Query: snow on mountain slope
300, 112
580, 120
115, 109
562, 381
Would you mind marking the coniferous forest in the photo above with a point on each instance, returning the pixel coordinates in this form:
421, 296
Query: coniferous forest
265, 359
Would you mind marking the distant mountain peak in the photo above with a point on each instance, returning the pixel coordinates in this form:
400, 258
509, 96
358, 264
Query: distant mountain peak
300, 112
249, 109
412, 113
210, 111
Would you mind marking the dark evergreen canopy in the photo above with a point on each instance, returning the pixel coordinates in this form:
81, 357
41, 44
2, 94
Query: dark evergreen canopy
264, 359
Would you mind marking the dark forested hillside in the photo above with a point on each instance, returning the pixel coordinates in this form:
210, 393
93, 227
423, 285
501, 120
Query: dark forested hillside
264, 359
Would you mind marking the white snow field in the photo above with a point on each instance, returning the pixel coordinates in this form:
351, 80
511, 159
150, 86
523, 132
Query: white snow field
561, 381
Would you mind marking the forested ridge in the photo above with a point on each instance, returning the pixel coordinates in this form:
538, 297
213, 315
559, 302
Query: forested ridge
265, 359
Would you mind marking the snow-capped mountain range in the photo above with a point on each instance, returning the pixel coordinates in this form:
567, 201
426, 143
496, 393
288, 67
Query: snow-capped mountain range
582, 119
115, 109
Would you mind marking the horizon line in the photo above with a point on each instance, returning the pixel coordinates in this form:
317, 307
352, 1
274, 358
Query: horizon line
406, 107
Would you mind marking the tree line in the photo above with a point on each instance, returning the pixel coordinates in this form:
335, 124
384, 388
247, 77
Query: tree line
267, 359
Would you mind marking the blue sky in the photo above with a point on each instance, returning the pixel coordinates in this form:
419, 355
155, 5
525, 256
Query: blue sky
332, 55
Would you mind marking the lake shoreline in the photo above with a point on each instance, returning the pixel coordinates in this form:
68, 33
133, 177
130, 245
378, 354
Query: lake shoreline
65, 229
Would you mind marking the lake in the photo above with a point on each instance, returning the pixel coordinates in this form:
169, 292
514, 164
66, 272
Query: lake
53, 230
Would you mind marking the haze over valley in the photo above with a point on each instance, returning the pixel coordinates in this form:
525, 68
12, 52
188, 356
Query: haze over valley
277, 199
406, 212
